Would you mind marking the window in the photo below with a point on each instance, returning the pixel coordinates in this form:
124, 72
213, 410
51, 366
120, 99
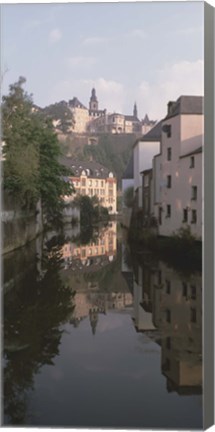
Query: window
168, 315
193, 315
83, 182
160, 215
185, 215
168, 286
193, 292
194, 193
102, 183
168, 211
194, 217
83, 253
159, 277
169, 153
169, 131
169, 181
184, 289
168, 342
192, 162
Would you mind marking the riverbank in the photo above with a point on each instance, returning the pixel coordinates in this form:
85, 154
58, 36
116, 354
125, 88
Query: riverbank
181, 250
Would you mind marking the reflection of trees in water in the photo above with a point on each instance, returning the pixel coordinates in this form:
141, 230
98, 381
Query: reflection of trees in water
33, 314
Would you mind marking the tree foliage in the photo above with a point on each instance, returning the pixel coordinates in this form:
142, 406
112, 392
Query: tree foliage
31, 152
61, 113
128, 197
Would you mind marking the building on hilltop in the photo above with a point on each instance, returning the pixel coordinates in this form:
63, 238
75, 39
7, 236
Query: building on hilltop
80, 114
94, 111
116, 123
147, 124
94, 120
92, 179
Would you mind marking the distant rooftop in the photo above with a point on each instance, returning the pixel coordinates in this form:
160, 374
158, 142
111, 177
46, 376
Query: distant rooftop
93, 169
185, 105
153, 135
131, 118
147, 122
75, 103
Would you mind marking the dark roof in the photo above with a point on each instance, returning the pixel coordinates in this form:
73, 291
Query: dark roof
131, 118
153, 135
129, 171
92, 111
75, 103
196, 151
147, 171
146, 121
96, 170
186, 105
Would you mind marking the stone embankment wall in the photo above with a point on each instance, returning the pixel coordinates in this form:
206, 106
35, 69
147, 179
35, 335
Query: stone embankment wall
18, 227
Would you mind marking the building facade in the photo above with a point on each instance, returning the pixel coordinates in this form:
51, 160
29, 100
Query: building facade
178, 168
93, 179
144, 150
80, 115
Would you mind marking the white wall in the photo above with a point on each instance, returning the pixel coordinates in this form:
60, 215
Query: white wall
144, 151
182, 176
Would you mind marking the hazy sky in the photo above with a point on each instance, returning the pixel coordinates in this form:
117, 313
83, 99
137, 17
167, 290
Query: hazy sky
145, 52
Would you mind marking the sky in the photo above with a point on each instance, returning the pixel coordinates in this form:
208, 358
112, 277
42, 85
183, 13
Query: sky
148, 53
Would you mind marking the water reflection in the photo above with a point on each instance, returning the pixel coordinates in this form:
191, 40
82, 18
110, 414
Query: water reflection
85, 287
168, 309
34, 310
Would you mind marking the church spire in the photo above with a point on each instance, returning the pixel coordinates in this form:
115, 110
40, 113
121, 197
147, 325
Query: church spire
93, 105
135, 110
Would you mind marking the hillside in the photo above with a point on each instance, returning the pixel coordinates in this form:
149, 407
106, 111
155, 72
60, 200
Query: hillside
112, 151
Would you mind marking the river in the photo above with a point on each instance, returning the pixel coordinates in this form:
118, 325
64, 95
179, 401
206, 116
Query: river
95, 337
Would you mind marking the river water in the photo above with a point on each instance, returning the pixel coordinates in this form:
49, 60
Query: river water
95, 337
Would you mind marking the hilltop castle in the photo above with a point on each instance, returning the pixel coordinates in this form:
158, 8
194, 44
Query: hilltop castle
94, 120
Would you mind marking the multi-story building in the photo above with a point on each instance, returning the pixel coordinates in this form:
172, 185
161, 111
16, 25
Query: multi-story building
178, 168
93, 179
147, 124
144, 149
117, 123
94, 111
80, 114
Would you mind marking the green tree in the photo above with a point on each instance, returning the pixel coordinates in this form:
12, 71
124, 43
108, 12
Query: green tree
21, 149
31, 167
60, 112
128, 197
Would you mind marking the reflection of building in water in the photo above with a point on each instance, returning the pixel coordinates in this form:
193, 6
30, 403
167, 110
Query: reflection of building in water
173, 305
143, 319
104, 245
92, 303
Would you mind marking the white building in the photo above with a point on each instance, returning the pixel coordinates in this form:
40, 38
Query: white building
92, 179
144, 150
178, 168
